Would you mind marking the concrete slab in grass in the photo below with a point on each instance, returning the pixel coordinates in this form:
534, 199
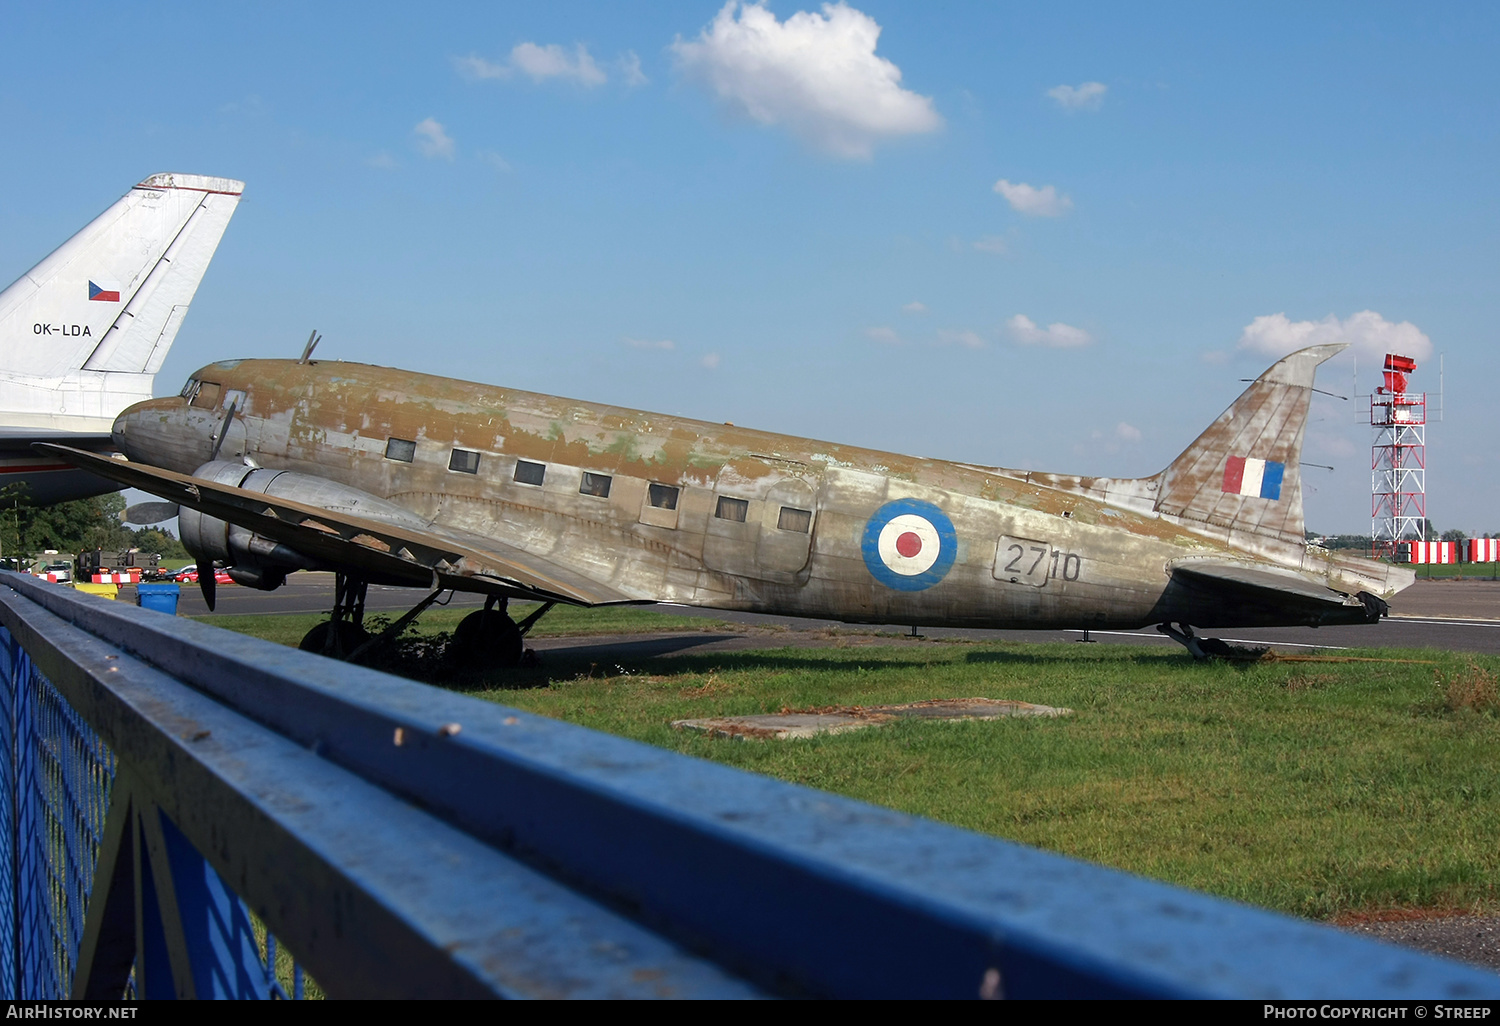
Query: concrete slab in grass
795, 723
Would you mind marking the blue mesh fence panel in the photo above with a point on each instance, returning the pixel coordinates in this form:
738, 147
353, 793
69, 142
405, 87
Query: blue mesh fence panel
56, 775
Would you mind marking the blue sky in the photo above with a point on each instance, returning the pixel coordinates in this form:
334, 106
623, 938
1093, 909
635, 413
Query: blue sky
1048, 236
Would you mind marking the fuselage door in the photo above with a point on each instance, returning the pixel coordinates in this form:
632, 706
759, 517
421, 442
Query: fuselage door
762, 519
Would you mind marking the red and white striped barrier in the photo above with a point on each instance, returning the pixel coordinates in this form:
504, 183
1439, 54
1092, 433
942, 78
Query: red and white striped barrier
1483, 550
130, 576
1431, 552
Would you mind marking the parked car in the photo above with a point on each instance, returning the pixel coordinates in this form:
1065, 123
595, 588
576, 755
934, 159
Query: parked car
189, 575
62, 571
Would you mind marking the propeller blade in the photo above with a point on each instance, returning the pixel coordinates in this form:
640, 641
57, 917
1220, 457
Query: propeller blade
149, 512
206, 583
223, 430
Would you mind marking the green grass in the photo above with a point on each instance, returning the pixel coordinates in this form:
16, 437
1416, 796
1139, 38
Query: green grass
1477, 571
562, 621
1315, 788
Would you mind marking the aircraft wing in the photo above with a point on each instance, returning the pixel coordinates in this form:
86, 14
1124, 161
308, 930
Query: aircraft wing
1269, 584
356, 544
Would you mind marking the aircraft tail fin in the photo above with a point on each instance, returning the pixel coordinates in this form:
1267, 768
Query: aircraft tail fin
1243, 473
112, 297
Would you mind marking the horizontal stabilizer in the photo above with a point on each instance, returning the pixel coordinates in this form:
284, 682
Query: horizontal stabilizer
1286, 583
1279, 587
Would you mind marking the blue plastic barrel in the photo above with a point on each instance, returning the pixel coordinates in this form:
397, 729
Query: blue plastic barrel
160, 597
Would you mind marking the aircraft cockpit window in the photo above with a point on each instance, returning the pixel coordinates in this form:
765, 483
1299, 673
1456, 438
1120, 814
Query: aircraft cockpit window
595, 484
530, 473
662, 496
732, 509
794, 519
400, 449
464, 461
189, 389
207, 396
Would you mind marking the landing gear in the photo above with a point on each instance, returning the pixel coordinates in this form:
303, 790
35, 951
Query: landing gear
484, 638
337, 639
345, 632
489, 637
1210, 648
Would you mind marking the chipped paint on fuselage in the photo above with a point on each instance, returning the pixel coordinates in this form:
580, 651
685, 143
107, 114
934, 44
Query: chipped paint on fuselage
1083, 562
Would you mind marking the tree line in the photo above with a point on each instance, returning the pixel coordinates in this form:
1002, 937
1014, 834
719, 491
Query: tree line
74, 527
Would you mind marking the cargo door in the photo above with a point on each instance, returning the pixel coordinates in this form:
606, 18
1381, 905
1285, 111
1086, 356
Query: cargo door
762, 518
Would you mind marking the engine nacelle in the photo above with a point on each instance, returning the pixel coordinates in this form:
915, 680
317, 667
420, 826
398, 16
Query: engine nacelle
259, 562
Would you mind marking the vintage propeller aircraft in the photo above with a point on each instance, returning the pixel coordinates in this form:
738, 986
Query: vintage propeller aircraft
389, 477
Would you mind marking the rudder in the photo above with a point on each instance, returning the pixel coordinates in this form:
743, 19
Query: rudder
1243, 473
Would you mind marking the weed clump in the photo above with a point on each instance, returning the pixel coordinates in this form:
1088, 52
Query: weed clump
1473, 688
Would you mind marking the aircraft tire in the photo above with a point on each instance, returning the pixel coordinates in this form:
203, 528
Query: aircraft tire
487, 637
350, 637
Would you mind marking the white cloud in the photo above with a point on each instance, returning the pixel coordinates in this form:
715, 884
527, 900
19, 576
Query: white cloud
552, 61
382, 160
883, 334
817, 74
495, 161
1372, 336
1336, 446
1127, 432
1086, 96
541, 63
432, 140
1059, 336
915, 307
630, 68
477, 68
646, 343
992, 244
1034, 202
967, 339
710, 361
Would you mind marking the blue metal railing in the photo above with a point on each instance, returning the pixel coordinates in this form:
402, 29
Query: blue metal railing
406, 841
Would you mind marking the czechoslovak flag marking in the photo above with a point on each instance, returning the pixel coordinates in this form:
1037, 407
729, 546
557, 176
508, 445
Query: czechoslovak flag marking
1258, 478
909, 545
103, 291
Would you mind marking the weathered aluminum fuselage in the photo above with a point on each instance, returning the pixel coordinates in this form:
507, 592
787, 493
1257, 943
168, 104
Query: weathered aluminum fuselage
1019, 553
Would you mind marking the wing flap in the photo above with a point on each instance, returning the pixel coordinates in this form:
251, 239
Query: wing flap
367, 546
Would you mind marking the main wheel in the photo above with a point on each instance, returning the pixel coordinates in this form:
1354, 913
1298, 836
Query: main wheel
487, 637
350, 636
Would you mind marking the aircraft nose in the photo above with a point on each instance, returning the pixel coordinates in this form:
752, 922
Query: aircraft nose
154, 432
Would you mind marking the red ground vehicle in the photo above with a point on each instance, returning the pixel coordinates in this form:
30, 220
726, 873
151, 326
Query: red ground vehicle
189, 575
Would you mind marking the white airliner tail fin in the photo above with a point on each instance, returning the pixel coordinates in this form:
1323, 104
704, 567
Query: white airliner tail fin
112, 297
82, 332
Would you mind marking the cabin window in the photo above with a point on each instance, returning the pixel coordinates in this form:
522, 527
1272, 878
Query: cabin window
662, 496
207, 396
595, 484
464, 461
794, 519
732, 509
400, 449
530, 473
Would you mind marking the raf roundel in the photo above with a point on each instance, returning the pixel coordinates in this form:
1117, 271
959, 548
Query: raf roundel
909, 545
